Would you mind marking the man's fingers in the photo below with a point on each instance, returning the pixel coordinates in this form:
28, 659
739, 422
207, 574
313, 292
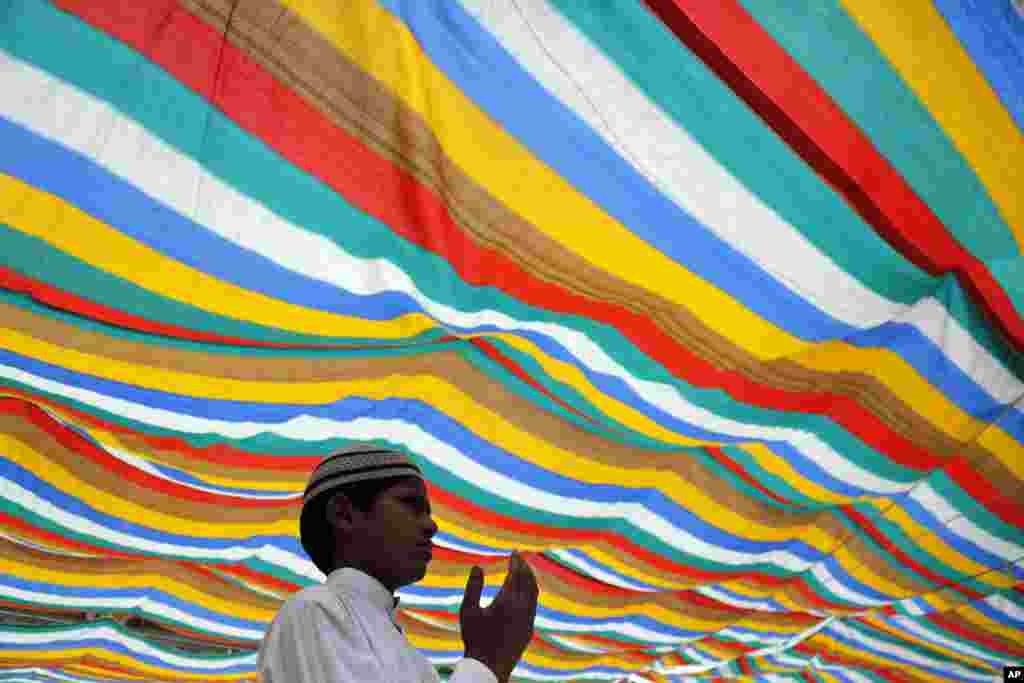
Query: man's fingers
474, 587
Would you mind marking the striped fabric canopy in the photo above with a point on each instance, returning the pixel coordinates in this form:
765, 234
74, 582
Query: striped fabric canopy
714, 309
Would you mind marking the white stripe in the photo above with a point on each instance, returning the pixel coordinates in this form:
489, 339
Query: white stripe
1001, 548
595, 571
1007, 607
937, 507
469, 550
596, 90
440, 453
933, 503
149, 468
138, 646
550, 621
865, 641
758, 604
593, 87
916, 628
574, 646
830, 582
146, 604
128, 150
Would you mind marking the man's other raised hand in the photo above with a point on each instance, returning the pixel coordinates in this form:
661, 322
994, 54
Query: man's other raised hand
498, 634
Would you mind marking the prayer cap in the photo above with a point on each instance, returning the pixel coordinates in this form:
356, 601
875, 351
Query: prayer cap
356, 463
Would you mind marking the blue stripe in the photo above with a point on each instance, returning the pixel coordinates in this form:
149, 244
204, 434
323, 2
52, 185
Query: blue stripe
437, 423
100, 642
431, 419
81, 182
26, 479
992, 33
943, 672
584, 557
963, 546
309, 209
465, 51
152, 595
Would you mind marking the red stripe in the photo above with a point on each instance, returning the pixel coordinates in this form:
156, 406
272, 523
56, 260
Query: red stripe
494, 520
759, 70
868, 527
268, 581
960, 629
48, 538
497, 356
66, 301
219, 454
78, 444
888, 674
730, 464
189, 49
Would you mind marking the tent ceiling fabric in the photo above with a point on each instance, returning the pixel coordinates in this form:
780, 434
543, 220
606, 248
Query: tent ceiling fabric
714, 309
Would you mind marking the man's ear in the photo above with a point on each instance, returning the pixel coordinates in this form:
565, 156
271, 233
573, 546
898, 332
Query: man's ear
340, 513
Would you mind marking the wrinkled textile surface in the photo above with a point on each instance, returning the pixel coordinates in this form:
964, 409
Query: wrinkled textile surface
711, 308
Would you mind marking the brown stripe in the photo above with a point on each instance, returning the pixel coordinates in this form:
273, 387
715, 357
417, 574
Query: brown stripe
455, 369
447, 364
635, 602
306, 62
117, 487
106, 572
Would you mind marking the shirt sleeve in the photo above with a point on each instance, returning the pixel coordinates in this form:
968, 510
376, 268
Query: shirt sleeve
308, 643
472, 671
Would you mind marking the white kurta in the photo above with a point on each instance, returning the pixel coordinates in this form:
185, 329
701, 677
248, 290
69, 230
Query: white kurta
343, 631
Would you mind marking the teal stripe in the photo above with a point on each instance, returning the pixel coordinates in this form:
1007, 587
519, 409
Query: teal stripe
682, 86
456, 485
113, 72
910, 546
772, 482
349, 353
35, 258
847, 64
686, 90
972, 510
605, 426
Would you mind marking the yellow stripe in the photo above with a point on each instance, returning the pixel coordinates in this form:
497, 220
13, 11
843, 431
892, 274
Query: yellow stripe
495, 575
903, 381
971, 614
508, 171
928, 542
622, 564
487, 424
924, 51
824, 643
575, 661
66, 657
783, 469
901, 634
186, 592
860, 571
569, 374
295, 484
61, 478
67, 228
494, 540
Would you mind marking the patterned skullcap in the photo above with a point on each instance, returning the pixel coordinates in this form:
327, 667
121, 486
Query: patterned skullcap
355, 463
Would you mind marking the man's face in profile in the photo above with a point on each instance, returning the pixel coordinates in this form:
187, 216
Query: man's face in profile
392, 540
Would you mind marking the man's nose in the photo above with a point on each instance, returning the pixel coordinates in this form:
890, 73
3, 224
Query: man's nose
431, 527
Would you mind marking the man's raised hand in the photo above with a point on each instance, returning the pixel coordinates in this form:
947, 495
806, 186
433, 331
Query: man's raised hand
498, 634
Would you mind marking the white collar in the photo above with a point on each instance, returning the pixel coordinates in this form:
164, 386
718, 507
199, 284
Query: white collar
359, 583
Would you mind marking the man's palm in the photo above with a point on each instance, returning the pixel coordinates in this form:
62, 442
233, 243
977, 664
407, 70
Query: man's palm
498, 634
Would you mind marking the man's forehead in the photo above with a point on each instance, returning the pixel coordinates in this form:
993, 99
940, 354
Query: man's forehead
408, 485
